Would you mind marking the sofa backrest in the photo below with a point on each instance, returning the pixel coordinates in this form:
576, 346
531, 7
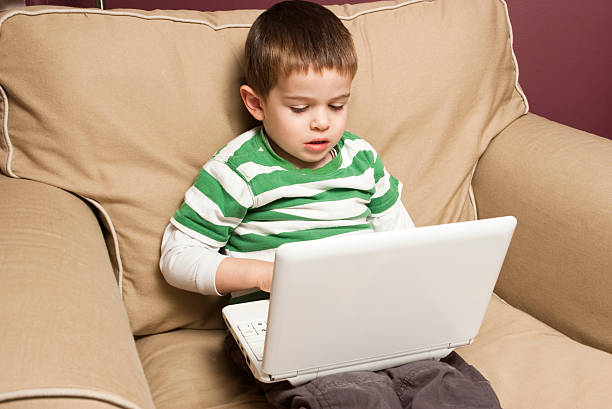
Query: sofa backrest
122, 107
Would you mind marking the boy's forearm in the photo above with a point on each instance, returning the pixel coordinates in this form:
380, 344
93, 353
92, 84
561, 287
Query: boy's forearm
234, 274
192, 265
187, 263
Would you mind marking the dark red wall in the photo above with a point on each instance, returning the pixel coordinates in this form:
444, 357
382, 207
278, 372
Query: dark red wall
564, 50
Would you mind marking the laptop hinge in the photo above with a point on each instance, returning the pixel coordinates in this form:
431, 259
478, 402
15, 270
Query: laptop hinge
285, 375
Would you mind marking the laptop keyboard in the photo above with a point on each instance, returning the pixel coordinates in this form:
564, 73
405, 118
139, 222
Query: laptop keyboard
255, 334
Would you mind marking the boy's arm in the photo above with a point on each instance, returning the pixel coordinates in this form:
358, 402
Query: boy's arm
214, 205
195, 266
388, 211
395, 218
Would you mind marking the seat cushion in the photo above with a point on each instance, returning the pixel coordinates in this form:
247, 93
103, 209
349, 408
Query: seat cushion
124, 106
203, 376
529, 365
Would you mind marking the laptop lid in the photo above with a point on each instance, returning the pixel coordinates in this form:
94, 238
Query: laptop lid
346, 300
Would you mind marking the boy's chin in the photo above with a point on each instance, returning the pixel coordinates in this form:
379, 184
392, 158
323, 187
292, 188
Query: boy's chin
313, 161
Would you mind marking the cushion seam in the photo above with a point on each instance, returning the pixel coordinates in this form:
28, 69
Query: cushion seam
7, 139
514, 60
113, 399
184, 20
113, 232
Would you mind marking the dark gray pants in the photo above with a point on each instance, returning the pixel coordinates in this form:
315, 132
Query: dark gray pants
429, 384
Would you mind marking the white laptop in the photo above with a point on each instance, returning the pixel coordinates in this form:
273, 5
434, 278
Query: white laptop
371, 301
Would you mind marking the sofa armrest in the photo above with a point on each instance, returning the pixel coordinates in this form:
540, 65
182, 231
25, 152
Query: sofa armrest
65, 340
557, 181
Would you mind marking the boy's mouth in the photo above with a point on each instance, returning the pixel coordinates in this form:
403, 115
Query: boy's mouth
317, 145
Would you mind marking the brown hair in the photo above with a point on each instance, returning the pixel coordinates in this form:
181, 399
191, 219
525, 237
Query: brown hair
296, 36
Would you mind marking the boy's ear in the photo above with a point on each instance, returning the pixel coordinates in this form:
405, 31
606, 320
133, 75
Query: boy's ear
252, 101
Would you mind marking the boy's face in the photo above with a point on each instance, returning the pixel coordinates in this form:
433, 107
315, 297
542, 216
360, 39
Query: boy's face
304, 115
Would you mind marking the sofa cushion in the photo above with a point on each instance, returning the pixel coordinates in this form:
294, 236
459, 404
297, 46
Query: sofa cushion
122, 107
525, 361
203, 375
531, 365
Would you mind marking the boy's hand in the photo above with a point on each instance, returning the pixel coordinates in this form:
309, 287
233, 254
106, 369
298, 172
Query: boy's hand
265, 276
234, 274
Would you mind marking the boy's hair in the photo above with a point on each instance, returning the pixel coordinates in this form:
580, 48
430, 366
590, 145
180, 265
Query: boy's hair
296, 36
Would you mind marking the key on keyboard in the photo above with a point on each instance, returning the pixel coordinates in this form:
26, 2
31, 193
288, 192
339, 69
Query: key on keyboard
255, 334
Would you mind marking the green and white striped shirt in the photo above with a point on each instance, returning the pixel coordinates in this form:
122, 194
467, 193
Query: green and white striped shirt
248, 200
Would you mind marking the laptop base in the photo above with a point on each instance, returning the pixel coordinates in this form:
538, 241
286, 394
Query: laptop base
238, 312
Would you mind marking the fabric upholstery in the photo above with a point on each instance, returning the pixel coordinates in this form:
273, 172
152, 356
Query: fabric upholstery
531, 365
123, 107
511, 350
556, 181
64, 331
203, 375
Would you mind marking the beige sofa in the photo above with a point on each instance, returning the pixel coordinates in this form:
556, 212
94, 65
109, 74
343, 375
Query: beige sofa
107, 115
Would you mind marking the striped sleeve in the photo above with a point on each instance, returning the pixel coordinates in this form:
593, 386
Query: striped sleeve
396, 218
387, 189
214, 205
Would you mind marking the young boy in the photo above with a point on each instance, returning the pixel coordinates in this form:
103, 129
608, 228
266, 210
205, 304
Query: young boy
300, 176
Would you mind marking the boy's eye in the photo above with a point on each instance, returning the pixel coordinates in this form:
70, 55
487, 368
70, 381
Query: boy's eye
337, 107
299, 108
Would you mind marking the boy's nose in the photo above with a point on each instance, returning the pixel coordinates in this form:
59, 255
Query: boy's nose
319, 123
